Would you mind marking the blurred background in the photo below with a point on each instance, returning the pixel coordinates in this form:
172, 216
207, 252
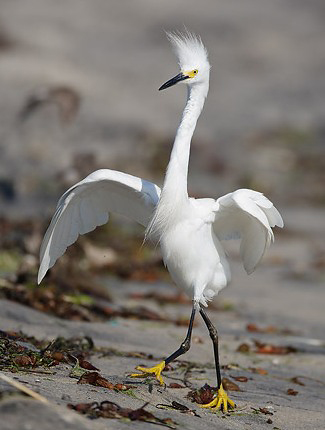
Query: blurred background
79, 86
79, 91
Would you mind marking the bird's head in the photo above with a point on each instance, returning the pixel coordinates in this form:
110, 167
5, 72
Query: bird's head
192, 59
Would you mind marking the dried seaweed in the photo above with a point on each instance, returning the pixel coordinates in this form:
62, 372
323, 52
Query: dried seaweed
296, 380
240, 378
267, 348
264, 411
178, 298
76, 306
229, 385
178, 407
243, 348
258, 370
94, 378
19, 351
269, 329
109, 409
202, 395
175, 385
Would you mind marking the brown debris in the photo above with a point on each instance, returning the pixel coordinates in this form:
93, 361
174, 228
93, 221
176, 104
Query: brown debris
86, 365
94, 378
240, 378
251, 327
292, 392
295, 380
255, 329
20, 351
53, 301
141, 313
264, 411
179, 298
229, 385
58, 356
202, 395
178, 407
175, 385
69, 291
69, 350
258, 370
108, 409
244, 348
24, 361
265, 348
78, 307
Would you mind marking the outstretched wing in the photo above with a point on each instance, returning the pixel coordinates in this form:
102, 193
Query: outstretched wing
87, 204
248, 215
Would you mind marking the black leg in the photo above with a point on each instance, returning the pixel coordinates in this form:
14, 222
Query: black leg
214, 337
185, 345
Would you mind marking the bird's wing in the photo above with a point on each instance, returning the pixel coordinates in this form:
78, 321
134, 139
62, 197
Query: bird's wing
87, 204
248, 215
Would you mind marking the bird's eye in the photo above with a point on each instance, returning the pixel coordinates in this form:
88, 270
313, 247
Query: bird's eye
192, 73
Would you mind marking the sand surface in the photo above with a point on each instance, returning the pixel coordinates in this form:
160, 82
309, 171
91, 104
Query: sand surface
262, 127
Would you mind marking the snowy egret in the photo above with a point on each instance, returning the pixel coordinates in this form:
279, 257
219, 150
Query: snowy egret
188, 230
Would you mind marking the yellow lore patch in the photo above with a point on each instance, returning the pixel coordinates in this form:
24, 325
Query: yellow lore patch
191, 73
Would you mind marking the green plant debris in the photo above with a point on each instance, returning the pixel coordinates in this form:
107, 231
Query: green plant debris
77, 371
16, 354
21, 352
9, 261
79, 299
130, 392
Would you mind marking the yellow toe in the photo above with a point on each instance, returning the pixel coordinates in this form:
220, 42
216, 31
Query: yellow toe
148, 371
221, 401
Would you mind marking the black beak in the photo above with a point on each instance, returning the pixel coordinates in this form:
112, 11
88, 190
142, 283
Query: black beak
178, 78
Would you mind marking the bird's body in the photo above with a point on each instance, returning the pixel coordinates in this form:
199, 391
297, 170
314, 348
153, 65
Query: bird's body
193, 254
188, 230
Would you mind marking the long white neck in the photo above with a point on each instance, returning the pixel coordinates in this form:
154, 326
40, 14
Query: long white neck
177, 170
174, 197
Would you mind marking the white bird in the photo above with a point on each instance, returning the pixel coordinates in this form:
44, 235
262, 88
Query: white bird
188, 230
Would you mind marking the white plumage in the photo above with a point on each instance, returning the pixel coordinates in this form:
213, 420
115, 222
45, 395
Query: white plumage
87, 205
188, 230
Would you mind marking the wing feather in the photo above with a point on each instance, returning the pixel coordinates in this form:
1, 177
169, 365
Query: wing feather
87, 205
250, 216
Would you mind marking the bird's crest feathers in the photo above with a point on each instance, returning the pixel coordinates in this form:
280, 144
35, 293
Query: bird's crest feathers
189, 49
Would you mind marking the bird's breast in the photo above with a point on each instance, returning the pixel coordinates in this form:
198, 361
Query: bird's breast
191, 253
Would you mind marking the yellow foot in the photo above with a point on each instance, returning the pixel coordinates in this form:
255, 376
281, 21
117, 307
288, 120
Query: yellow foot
147, 371
221, 401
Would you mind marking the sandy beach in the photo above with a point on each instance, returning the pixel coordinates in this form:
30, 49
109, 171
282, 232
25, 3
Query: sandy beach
110, 302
